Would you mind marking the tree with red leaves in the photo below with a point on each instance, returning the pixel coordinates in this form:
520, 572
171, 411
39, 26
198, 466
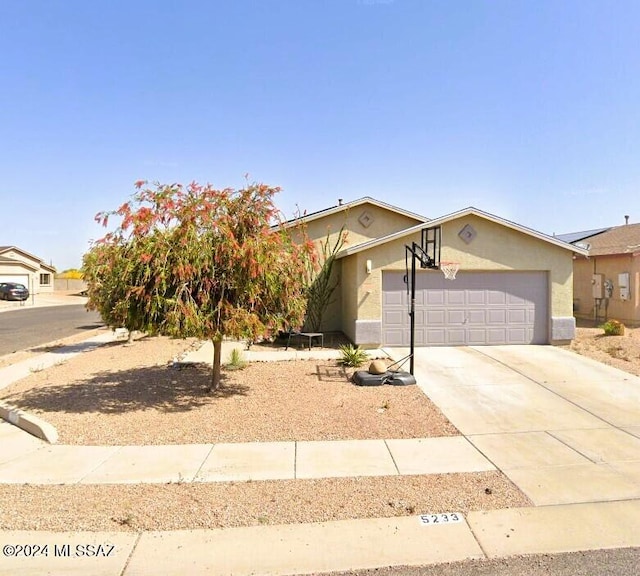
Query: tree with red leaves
193, 261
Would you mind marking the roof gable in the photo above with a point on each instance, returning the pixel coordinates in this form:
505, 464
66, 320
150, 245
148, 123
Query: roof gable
28, 259
349, 205
13, 262
455, 215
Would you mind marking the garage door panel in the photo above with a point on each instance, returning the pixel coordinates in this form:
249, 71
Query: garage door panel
436, 336
393, 298
476, 336
436, 318
496, 316
455, 297
455, 317
393, 317
497, 336
476, 317
476, 297
455, 337
517, 335
17, 278
496, 298
476, 308
518, 316
435, 297
394, 337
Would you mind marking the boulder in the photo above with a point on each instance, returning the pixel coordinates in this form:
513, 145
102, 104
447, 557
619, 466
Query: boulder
377, 367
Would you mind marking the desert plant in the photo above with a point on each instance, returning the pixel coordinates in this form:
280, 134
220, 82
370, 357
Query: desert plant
352, 356
613, 328
324, 282
236, 360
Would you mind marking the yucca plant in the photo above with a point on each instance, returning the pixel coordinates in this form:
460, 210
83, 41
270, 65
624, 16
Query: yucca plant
352, 356
236, 360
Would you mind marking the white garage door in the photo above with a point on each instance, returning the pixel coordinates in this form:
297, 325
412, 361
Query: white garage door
18, 278
474, 309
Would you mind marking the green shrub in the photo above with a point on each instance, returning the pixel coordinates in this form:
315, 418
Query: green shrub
613, 328
236, 360
352, 356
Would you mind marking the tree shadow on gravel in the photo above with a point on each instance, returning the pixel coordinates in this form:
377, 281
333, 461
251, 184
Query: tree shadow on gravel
61, 348
168, 389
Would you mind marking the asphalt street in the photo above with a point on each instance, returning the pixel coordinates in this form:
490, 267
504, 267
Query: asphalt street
620, 562
26, 328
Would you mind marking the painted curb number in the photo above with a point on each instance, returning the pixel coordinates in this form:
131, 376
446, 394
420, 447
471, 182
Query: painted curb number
447, 518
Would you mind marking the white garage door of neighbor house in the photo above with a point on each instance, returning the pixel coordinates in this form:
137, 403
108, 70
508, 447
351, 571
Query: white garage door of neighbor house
476, 308
18, 278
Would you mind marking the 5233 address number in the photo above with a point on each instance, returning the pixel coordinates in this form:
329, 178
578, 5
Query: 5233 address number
447, 518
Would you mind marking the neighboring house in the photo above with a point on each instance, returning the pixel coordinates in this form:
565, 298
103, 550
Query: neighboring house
17, 265
515, 285
606, 284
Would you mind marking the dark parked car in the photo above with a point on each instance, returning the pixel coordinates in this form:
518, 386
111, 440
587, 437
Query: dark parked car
13, 291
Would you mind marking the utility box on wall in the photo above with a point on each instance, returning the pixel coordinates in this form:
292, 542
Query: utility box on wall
597, 284
623, 285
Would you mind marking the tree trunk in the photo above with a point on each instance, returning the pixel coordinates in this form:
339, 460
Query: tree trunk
216, 373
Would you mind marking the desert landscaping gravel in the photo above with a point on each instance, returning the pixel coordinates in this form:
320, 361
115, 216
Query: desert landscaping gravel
185, 506
622, 352
136, 395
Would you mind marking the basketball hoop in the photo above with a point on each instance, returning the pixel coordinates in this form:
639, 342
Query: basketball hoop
449, 269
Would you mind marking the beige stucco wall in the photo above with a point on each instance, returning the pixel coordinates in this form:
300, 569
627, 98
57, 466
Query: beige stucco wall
495, 247
331, 320
383, 222
627, 311
350, 289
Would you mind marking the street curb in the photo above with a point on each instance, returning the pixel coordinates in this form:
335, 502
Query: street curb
29, 423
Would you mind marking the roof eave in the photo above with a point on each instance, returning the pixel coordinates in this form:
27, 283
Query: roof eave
453, 216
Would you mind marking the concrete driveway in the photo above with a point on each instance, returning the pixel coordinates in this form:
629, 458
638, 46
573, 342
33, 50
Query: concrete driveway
565, 429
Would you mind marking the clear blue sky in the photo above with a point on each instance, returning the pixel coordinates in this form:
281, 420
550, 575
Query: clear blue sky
526, 109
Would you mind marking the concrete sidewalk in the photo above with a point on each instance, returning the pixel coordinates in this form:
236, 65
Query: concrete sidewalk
29, 461
204, 354
325, 546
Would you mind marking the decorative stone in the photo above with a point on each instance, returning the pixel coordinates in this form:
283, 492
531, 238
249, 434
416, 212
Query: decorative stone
377, 367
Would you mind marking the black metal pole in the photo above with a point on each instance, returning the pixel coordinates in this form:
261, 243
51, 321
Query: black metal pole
412, 313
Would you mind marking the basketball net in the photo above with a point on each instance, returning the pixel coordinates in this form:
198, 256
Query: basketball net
449, 269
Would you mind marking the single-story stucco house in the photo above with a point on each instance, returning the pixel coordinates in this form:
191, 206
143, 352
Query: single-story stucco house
514, 286
606, 285
17, 265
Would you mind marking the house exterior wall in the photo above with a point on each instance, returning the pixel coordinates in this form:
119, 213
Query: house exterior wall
331, 319
586, 306
25, 265
494, 247
383, 222
350, 287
